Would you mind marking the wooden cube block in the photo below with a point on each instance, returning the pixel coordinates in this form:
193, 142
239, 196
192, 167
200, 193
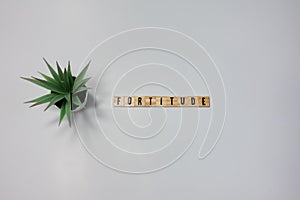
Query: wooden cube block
191, 101
181, 101
118, 101
165, 101
174, 101
161, 100
128, 101
204, 101
150, 100
139, 101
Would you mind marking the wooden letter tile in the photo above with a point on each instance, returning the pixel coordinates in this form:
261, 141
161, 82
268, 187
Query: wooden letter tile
128, 101
150, 100
192, 101
204, 101
139, 101
118, 101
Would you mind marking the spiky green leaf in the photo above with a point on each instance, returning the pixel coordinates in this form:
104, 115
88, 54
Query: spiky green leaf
82, 88
68, 97
53, 87
76, 100
81, 74
60, 73
68, 112
61, 76
44, 84
70, 76
66, 80
52, 71
62, 112
41, 100
55, 99
80, 84
53, 81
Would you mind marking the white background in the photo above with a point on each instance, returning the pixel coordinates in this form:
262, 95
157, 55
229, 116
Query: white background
254, 43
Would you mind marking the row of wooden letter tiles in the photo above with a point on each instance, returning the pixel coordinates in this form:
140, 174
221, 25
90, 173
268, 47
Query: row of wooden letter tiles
165, 101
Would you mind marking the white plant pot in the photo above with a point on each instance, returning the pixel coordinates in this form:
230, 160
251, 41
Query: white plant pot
83, 98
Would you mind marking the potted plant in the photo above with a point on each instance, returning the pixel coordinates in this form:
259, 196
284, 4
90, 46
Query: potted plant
67, 92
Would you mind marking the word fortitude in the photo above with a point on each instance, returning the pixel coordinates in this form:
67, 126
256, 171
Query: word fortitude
163, 101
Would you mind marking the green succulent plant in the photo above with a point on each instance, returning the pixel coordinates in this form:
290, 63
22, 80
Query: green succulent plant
64, 89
